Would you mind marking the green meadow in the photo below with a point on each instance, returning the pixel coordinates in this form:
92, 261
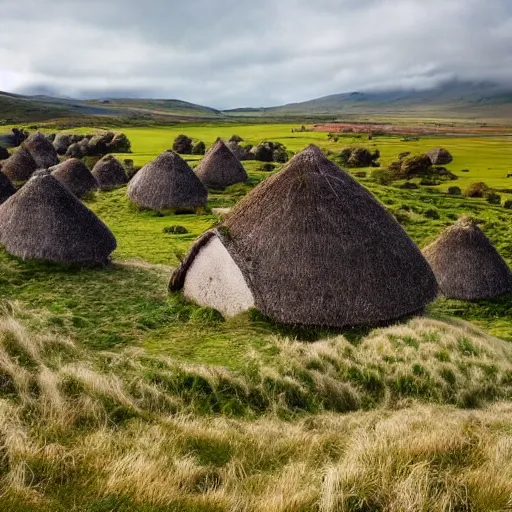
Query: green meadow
118, 396
488, 158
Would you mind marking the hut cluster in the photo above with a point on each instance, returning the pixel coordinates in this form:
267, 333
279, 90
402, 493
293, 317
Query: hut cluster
308, 246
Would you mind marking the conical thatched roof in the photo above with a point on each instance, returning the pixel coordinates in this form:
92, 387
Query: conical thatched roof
42, 150
76, 176
316, 248
220, 168
6, 188
43, 220
167, 183
440, 156
19, 166
109, 173
466, 264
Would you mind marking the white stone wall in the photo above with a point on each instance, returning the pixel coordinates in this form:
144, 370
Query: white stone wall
214, 280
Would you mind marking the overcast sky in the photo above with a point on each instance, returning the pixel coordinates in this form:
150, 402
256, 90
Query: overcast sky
233, 53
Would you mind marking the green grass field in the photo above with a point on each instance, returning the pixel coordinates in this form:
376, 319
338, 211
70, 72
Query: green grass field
117, 396
488, 158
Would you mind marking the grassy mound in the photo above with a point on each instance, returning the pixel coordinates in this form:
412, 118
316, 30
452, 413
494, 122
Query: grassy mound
114, 430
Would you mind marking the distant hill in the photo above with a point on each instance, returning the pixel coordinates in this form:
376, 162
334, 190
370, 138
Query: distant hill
15, 108
457, 99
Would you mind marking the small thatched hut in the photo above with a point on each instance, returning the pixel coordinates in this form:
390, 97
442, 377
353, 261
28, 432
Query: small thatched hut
309, 246
62, 142
43, 220
440, 156
42, 150
467, 266
220, 168
19, 166
6, 188
109, 173
75, 175
167, 183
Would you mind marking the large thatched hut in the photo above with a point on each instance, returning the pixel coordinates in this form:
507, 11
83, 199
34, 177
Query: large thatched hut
466, 264
440, 156
167, 183
109, 173
19, 166
6, 188
220, 168
75, 175
43, 220
42, 150
309, 246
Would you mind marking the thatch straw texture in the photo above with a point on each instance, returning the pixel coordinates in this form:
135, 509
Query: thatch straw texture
467, 266
62, 142
42, 150
440, 156
75, 175
19, 166
167, 183
6, 188
220, 168
109, 173
316, 248
43, 220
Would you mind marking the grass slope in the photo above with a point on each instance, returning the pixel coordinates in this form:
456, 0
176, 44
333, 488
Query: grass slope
126, 431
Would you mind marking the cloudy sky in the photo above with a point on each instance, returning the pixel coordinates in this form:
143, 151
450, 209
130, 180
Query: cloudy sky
233, 53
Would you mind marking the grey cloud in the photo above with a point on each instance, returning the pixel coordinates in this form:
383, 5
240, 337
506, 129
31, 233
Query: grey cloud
231, 53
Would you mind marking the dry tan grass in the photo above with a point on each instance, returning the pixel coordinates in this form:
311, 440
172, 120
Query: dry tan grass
93, 424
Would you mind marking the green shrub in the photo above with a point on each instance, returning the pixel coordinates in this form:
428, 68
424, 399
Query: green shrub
479, 189
382, 177
508, 204
432, 213
454, 191
182, 144
409, 186
236, 139
493, 198
199, 148
267, 167
175, 230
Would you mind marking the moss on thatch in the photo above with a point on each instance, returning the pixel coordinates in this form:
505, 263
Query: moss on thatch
316, 248
43, 220
440, 156
42, 150
167, 183
109, 173
220, 168
19, 166
75, 175
6, 188
466, 264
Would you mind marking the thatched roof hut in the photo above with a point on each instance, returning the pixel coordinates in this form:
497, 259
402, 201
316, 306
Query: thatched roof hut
43, 220
167, 183
309, 246
76, 176
440, 156
220, 168
6, 188
62, 142
42, 150
466, 264
19, 166
109, 173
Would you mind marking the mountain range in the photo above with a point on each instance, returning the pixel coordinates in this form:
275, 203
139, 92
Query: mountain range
455, 99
